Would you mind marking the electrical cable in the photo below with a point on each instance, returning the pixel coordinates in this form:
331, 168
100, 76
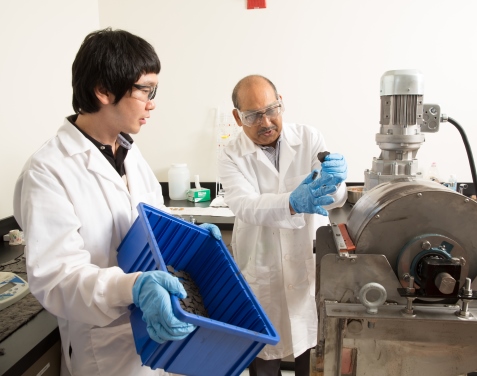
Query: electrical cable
467, 148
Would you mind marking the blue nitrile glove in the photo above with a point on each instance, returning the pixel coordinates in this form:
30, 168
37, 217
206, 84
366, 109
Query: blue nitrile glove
335, 164
151, 293
311, 195
213, 229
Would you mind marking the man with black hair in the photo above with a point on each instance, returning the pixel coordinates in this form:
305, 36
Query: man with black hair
76, 199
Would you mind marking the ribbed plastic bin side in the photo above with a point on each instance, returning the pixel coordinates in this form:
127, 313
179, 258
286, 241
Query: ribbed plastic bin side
237, 327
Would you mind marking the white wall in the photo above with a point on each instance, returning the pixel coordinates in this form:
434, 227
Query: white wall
39, 40
326, 58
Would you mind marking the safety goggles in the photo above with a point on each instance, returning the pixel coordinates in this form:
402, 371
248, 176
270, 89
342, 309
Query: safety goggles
255, 118
144, 93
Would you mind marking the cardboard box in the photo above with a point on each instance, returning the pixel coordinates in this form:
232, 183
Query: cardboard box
198, 195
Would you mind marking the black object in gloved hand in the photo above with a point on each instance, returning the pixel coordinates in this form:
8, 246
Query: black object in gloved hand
321, 157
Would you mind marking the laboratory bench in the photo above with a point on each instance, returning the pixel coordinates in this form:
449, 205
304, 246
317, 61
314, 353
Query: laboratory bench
224, 223
29, 336
338, 215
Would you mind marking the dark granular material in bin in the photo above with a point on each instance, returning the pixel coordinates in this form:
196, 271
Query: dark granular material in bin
193, 303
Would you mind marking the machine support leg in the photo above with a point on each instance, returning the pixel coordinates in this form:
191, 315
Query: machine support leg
333, 346
339, 350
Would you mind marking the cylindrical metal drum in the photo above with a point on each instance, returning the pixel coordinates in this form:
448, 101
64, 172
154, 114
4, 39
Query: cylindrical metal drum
400, 218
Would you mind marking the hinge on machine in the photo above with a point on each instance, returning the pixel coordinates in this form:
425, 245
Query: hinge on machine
343, 242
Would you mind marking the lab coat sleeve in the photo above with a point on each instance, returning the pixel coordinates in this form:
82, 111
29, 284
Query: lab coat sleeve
61, 273
340, 197
248, 205
242, 176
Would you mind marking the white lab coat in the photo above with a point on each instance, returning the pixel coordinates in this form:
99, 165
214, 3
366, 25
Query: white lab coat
75, 209
274, 249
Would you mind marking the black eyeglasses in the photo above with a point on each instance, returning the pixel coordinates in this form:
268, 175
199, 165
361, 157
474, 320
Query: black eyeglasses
144, 93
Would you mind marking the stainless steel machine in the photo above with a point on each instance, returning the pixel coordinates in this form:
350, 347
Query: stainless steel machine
396, 284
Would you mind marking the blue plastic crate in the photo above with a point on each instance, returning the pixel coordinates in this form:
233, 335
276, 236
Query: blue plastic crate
237, 327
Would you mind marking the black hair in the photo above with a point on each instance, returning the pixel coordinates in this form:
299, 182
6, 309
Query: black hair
245, 80
113, 60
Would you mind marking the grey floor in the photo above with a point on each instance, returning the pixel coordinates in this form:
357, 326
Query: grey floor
284, 373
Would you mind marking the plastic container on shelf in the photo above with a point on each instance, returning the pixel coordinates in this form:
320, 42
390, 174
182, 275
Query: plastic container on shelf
452, 184
237, 327
179, 181
433, 173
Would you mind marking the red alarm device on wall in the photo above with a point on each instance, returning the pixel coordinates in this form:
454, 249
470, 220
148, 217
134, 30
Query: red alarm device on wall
256, 4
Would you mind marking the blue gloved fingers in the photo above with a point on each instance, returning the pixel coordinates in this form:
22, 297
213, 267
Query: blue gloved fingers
309, 178
172, 285
324, 179
160, 314
160, 335
150, 280
334, 161
324, 190
308, 198
151, 293
162, 325
323, 200
321, 211
336, 165
333, 167
334, 156
339, 176
213, 229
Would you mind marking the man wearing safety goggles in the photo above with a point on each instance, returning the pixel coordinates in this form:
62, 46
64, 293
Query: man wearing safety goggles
280, 193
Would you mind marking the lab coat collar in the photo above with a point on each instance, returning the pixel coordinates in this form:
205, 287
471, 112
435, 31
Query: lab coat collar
72, 139
247, 147
288, 147
75, 143
291, 137
289, 141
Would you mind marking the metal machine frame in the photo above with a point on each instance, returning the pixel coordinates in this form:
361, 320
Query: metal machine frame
396, 284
